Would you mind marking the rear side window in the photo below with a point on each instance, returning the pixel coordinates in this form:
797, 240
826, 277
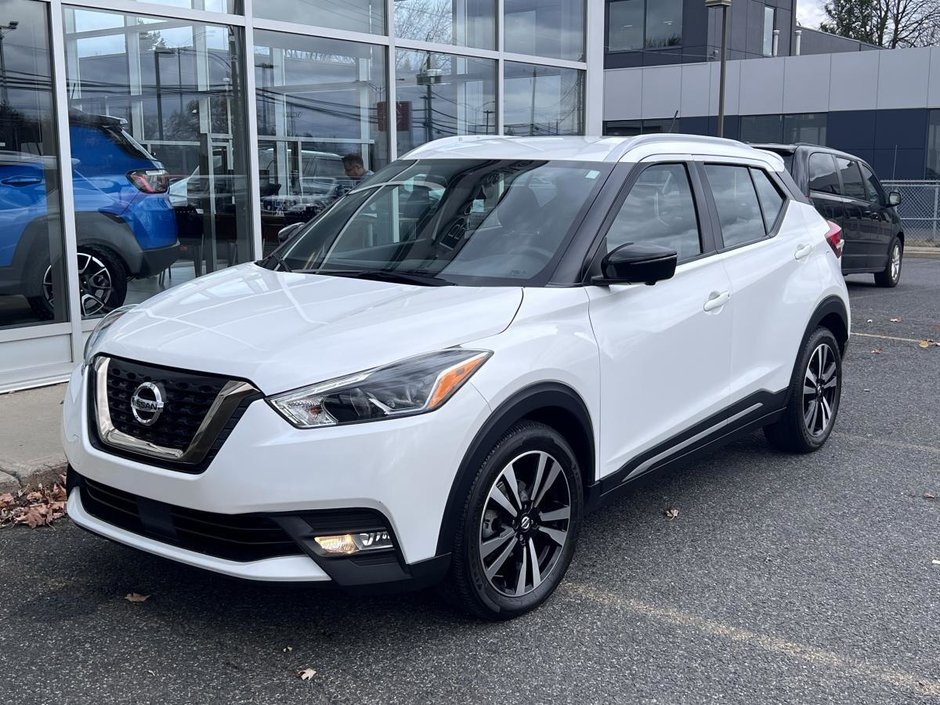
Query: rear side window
659, 210
852, 185
738, 208
823, 176
874, 193
771, 201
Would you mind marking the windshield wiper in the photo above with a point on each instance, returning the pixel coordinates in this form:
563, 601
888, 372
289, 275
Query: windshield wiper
384, 275
280, 262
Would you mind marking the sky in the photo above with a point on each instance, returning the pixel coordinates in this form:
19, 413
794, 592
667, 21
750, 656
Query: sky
810, 13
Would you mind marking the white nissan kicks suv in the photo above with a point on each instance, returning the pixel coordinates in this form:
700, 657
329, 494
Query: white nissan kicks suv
438, 377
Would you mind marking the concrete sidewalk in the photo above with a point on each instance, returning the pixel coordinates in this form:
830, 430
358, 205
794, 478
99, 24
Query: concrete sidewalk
30, 451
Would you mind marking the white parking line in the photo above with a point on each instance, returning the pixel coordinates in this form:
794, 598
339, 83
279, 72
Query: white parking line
889, 337
809, 654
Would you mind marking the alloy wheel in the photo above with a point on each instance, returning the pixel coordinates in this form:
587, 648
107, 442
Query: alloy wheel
525, 523
95, 285
820, 390
896, 262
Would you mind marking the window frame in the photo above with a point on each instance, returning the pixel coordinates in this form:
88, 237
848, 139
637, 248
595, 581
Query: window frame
703, 216
769, 233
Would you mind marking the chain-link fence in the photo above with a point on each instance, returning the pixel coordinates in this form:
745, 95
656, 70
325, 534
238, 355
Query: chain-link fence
920, 211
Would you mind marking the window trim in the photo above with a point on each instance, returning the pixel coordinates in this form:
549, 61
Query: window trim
702, 214
713, 205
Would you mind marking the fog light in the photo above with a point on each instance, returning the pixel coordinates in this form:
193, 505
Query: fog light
348, 544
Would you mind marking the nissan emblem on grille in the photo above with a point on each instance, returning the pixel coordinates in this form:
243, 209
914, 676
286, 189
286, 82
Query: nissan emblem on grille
147, 403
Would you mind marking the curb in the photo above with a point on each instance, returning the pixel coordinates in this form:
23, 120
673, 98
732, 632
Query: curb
44, 471
922, 252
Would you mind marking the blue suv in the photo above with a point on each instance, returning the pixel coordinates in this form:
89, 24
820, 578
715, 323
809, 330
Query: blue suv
125, 223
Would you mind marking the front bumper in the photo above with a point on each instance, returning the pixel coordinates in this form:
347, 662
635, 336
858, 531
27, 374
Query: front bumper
401, 470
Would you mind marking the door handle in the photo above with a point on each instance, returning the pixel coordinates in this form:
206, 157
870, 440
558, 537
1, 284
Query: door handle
716, 300
803, 251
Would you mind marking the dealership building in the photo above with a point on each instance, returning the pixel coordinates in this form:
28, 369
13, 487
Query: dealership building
218, 122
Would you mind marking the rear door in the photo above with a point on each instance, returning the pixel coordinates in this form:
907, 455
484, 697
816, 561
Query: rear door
665, 350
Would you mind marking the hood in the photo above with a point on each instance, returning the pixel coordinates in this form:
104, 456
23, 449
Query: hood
281, 330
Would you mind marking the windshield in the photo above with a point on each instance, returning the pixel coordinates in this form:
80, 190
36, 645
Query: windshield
471, 222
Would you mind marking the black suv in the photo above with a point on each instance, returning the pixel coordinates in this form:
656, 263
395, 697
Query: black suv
845, 190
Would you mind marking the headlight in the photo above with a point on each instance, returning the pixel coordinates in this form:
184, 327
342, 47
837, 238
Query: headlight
405, 388
98, 333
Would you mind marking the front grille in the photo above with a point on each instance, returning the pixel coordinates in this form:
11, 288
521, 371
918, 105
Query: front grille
234, 537
188, 397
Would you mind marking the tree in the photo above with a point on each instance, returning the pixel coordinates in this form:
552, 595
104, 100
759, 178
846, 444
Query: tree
885, 23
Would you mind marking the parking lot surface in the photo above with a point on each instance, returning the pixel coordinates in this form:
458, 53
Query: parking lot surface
781, 580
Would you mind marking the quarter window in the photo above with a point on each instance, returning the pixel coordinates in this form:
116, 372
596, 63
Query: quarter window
823, 177
738, 207
771, 202
659, 210
852, 186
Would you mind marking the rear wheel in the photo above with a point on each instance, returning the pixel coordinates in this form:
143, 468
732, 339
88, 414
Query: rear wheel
102, 281
891, 276
815, 393
520, 525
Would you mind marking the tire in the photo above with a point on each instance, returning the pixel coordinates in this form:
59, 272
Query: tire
492, 548
891, 276
102, 282
813, 407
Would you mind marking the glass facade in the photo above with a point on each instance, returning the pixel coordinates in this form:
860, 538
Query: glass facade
191, 149
643, 24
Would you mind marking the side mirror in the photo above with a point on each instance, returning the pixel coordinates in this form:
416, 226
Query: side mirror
637, 264
285, 234
894, 198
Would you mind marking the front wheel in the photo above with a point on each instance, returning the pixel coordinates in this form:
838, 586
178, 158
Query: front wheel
102, 279
891, 276
520, 525
815, 393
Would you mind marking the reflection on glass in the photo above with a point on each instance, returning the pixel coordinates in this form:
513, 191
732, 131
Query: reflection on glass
322, 123
440, 95
552, 28
625, 25
663, 23
469, 23
761, 128
353, 15
156, 109
32, 278
543, 100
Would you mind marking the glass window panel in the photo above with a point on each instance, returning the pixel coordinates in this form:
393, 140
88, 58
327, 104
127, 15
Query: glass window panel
933, 146
318, 101
440, 95
659, 210
32, 278
736, 201
823, 175
552, 28
543, 100
809, 128
663, 23
761, 128
852, 184
625, 25
768, 38
157, 130
469, 23
873, 189
771, 201
352, 15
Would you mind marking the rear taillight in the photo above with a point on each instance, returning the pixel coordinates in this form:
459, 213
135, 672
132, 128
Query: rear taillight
150, 180
834, 238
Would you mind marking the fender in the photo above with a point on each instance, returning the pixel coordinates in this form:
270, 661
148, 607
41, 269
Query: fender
525, 404
832, 306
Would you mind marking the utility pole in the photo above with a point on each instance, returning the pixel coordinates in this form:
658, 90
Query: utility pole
725, 5
4, 31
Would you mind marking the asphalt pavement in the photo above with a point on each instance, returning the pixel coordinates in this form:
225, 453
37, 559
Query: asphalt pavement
782, 580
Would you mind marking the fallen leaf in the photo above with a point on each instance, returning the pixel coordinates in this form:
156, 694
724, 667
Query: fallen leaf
930, 495
151, 672
925, 344
306, 674
33, 516
136, 597
287, 649
6, 499
895, 320
671, 512
877, 351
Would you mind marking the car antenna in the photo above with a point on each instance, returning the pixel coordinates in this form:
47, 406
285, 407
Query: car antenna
672, 127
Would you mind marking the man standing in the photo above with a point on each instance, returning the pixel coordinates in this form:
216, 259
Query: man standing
355, 168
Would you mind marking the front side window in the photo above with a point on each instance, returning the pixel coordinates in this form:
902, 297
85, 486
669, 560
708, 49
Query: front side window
659, 210
874, 192
823, 176
454, 221
852, 185
738, 209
